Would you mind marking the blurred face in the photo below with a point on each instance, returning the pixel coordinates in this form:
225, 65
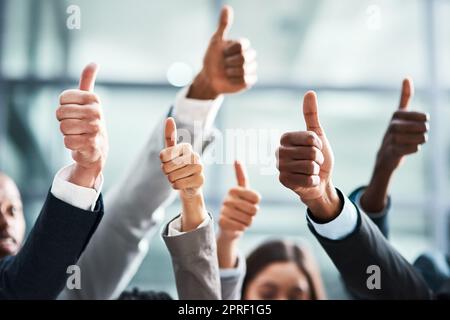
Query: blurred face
279, 281
12, 222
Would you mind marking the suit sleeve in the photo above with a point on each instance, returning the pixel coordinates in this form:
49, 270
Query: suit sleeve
365, 247
380, 219
195, 264
231, 280
59, 236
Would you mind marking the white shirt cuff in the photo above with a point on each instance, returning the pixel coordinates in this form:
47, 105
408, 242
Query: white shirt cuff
340, 227
175, 226
370, 214
196, 112
77, 196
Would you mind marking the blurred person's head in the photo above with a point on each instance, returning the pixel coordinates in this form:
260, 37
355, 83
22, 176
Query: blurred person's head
12, 221
281, 270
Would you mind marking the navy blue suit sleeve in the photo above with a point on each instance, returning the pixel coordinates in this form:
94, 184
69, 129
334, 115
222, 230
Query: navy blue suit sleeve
381, 221
59, 236
364, 248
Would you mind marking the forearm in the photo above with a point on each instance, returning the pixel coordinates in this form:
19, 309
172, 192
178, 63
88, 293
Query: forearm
227, 251
58, 238
366, 247
327, 207
194, 261
375, 195
201, 89
194, 212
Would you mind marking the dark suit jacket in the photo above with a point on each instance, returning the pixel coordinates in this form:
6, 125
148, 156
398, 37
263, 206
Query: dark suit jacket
39, 270
367, 246
382, 221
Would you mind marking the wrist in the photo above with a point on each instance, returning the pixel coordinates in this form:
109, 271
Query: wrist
194, 212
374, 198
84, 177
386, 162
228, 236
227, 250
327, 207
201, 88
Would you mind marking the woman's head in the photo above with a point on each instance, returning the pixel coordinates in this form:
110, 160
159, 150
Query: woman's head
279, 270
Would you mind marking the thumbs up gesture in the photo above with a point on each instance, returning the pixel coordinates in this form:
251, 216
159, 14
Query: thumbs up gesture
229, 66
237, 214
184, 171
305, 161
83, 126
406, 132
239, 207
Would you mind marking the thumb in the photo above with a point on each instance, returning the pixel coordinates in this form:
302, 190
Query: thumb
88, 76
310, 113
170, 132
225, 22
407, 93
241, 175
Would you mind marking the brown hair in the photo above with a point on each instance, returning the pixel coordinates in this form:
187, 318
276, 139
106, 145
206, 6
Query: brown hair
285, 251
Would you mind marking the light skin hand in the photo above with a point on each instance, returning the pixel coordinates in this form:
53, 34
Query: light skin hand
238, 211
184, 171
82, 124
305, 161
229, 66
406, 132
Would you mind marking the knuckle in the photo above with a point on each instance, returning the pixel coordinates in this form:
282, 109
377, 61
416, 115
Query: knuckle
95, 127
283, 178
63, 96
310, 137
311, 167
313, 153
91, 97
201, 179
285, 138
59, 112
63, 126
309, 181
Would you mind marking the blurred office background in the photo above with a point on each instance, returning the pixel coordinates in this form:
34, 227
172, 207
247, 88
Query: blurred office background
354, 53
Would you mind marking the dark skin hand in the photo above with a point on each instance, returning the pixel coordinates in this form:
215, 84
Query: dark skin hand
305, 161
406, 132
229, 66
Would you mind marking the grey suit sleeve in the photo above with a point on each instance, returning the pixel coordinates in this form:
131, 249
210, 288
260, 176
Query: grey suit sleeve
195, 264
231, 280
365, 247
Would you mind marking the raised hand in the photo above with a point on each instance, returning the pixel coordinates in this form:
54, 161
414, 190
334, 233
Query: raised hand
237, 214
229, 66
184, 171
305, 161
406, 132
83, 126
239, 207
